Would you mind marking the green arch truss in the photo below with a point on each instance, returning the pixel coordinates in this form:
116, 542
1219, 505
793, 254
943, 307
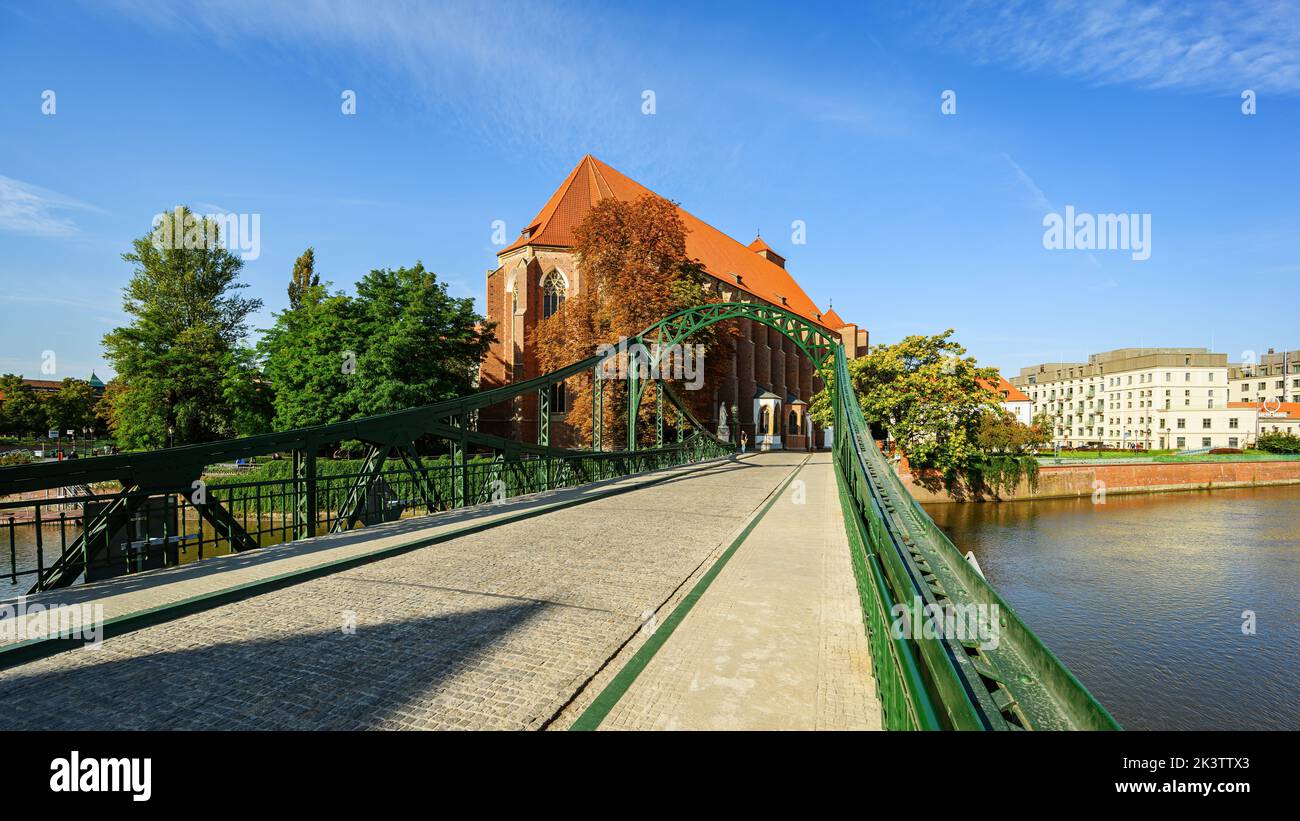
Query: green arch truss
814, 341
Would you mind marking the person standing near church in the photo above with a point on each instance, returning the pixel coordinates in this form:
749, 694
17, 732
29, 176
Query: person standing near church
744, 440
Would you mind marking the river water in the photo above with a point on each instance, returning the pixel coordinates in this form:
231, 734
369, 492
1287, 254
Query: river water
1143, 597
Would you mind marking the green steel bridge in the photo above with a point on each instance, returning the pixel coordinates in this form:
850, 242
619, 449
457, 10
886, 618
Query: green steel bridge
899, 555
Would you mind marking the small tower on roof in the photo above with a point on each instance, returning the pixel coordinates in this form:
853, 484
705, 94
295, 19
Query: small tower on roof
765, 251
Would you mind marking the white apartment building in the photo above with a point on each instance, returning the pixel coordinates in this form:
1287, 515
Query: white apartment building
1275, 378
1140, 398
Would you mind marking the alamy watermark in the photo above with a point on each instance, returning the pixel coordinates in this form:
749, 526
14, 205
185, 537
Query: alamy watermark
240, 233
1098, 232
974, 622
20, 621
681, 362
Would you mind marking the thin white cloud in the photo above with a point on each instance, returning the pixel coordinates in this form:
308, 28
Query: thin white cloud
521, 75
1191, 46
30, 209
1036, 194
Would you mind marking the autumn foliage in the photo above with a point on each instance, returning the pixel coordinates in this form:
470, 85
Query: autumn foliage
634, 271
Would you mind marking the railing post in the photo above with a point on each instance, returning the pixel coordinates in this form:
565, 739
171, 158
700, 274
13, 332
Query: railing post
40, 550
633, 404
659, 414
597, 409
311, 507
298, 496
544, 415
461, 456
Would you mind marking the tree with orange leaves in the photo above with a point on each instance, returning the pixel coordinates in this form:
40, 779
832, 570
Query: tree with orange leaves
634, 272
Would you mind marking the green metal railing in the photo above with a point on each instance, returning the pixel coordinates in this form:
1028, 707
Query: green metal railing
901, 557
44, 538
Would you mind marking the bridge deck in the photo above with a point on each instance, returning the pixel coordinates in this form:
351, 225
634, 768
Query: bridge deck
776, 642
516, 626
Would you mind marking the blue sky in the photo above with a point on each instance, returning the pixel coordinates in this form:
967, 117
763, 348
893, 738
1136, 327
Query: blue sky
765, 113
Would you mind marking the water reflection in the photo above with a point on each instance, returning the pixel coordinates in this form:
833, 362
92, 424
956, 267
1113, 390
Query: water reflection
1142, 598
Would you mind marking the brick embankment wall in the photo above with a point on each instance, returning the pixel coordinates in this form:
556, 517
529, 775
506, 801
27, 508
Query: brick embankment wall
1079, 480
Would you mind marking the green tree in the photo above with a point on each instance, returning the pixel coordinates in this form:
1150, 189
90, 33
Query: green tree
637, 271
247, 394
106, 413
304, 280
926, 394
310, 358
1045, 422
187, 317
401, 342
1000, 432
73, 407
1278, 442
23, 412
424, 346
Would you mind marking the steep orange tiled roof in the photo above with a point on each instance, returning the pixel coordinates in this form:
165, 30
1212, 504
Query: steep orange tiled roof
722, 256
758, 245
1008, 392
1290, 409
832, 320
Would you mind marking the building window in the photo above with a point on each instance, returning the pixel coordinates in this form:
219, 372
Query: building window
559, 398
1205, 423
514, 297
1232, 423
1182, 423
1182, 441
1232, 441
552, 294
1205, 441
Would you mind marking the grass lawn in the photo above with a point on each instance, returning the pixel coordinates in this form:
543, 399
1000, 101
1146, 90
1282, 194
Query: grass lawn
1107, 454
1074, 457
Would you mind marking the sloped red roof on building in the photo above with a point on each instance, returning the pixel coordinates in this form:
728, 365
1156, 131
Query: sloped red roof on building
1290, 409
1003, 388
722, 256
832, 320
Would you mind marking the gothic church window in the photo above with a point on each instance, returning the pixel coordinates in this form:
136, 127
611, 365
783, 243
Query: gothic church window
552, 294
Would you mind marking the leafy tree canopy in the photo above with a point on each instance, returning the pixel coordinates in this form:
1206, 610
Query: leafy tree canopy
73, 407
635, 272
21, 412
926, 394
1001, 433
304, 278
187, 317
401, 342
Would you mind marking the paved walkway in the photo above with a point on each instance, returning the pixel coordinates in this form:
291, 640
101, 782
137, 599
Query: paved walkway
127, 596
517, 626
777, 640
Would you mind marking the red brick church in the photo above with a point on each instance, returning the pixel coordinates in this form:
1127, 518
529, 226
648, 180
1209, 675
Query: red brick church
769, 384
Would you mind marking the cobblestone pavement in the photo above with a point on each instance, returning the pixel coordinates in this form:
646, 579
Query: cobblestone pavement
777, 640
493, 630
143, 592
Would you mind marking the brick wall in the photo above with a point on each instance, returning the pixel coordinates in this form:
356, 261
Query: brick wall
1077, 480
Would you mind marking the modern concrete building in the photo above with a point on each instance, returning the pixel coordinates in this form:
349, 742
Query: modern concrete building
1274, 378
1140, 398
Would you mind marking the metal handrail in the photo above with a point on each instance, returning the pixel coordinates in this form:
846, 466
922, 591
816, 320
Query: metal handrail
905, 558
